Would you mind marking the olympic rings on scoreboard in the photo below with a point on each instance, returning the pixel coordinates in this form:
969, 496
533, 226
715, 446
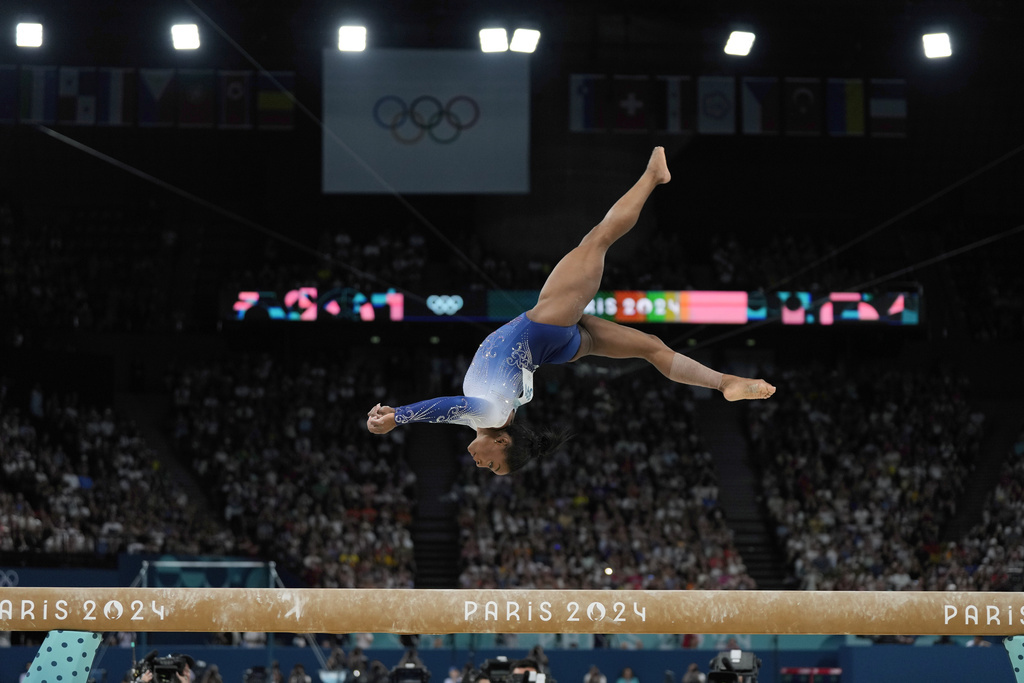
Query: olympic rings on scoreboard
444, 304
425, 115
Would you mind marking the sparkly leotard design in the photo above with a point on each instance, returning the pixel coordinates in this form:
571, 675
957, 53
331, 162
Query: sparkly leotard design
500, 378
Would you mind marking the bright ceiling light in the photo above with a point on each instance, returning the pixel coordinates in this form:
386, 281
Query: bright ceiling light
524, 40
352, 38
29, 35
185, 36
936, 45
493, 40
739, 43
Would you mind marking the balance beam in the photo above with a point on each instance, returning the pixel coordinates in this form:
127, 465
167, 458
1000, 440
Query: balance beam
322, 610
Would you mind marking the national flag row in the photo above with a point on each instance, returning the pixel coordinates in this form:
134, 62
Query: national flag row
186, 98
750, 105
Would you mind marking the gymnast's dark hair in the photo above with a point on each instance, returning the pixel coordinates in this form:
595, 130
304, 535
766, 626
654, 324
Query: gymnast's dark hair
529, 444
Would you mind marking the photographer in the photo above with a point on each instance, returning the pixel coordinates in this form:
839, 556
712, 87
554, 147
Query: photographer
299, 675
212, 675
176, 668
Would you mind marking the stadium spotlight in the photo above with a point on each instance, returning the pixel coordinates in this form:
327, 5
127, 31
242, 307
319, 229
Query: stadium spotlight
739, 43
185, 36
936, 45
493, 40
28, 35
524, 40
352, 38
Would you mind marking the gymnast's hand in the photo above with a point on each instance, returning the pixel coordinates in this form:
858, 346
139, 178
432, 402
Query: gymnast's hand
380, 419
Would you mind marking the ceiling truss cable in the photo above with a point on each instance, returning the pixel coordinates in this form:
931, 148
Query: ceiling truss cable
355, 157
920, 265
903, 214
231, 215
860, 238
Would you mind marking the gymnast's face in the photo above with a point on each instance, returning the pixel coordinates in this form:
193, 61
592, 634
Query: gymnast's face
488, 449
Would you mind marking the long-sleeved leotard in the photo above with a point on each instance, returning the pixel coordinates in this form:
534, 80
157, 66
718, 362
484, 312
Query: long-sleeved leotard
500, 378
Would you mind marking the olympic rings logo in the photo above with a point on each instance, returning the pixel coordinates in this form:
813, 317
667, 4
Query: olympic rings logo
8, 579
444, 304
425, 115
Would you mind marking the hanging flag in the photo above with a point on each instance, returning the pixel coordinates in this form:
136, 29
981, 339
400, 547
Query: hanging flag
275, 108
76, 96
235, 99
157, 97
804, 105
760, 105
116, 97
588, 103
38, 93
8, 93
888, 107
426, 121
716, 105
195, 98
631, 103
844, 106
672, 104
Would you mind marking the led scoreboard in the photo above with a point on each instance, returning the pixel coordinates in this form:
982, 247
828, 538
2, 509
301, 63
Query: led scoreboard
627, 306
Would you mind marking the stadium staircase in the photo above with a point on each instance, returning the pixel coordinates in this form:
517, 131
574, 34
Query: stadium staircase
147, 411
739, 494
1003, 423
435, 530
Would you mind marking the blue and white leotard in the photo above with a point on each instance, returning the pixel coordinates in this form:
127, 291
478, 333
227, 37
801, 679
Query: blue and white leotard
500, 378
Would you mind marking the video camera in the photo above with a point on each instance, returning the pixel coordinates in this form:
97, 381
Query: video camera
409, 673
499, 670
530, 677
734, 665
496, 670
165, 669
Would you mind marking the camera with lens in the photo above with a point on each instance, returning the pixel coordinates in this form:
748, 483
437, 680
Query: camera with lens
530, 677
409, 673
734, 665
499, 670
165, 669
496, 670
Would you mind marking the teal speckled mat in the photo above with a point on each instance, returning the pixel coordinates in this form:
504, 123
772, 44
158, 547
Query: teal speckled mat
64, 657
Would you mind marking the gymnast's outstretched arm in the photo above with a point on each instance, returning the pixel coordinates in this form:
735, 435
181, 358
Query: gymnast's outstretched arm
462, 410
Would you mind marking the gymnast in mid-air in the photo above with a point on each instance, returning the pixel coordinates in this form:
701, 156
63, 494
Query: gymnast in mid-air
500, 378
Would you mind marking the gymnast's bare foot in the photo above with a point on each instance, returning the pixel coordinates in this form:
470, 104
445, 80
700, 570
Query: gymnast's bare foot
658, 167
740, 388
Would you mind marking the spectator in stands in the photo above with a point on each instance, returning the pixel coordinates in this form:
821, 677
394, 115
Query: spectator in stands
337, 660
298, 675
694, 674
860, 480
627, 676
537, 654
308, 498
357, 660
81, 480
594, 675
643, 506
212, 675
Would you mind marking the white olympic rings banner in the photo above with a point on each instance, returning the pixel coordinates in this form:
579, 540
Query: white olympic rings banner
426, 121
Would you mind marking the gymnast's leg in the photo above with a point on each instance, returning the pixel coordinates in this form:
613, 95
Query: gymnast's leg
605, 338
576, 278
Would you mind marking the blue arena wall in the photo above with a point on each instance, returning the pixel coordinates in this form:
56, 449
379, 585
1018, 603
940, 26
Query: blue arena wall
875, 664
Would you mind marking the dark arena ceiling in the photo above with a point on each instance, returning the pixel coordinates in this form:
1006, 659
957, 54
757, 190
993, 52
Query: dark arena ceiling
851, 37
